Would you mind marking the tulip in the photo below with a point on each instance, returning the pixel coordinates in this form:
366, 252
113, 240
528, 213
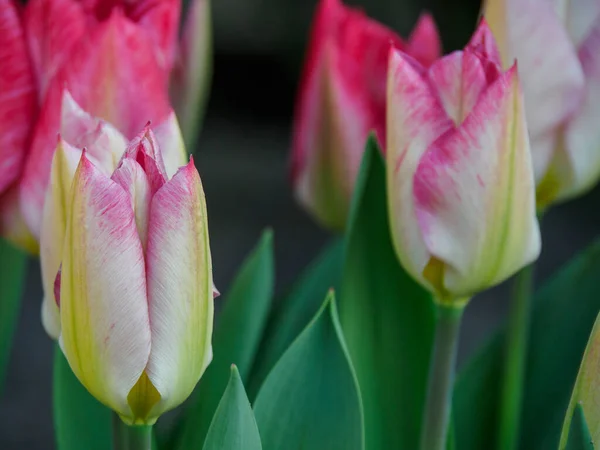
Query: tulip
341, 99
135, 286
115, 58
561, 88
459, 171
105, 146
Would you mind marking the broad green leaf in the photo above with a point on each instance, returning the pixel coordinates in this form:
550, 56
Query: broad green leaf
387, 318
233, 427
296, 310
579, 434
586, 394
13, 269
236, 339
80, 421
562, 319
310, 400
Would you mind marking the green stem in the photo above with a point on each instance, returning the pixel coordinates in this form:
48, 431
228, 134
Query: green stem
139, 437
441, 378
514, 363
130, 437
119, 433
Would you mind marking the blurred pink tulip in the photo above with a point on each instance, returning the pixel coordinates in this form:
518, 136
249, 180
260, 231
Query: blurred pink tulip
459, 172
341, 99
114, 57
561, 87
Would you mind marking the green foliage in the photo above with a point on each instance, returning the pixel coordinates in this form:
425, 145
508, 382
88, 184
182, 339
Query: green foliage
233, 427
388, 319
311, 400
80, 421
562, 318
296, 310
579, 434
237, 336
13, 269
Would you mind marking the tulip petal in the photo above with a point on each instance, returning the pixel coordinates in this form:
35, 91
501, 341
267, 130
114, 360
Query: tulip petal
144, 149
113, 74
100, 139
470, 194
37, 168
460, 78
553, 81
132, 178
160, 19
103, 305
169, 138
55, 212
193, 69
180, 288
579, 16
17, 95
12, 224
415, 119
61, 113
484, 43
582, 134
424, 42
53, 27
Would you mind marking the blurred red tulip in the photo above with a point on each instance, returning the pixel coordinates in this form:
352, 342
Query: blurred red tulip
342, 98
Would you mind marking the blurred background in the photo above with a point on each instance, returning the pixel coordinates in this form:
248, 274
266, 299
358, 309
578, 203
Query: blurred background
242, 157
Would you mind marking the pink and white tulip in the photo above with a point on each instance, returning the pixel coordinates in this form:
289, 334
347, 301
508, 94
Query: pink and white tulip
557, 45
105, 146
135, 287
341, 100
459, 171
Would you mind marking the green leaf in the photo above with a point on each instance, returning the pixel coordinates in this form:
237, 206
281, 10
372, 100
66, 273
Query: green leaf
237, 336
579, 434
310, 400
559, 332
13, 269
586, 394
387, 318
80, 421
233, 427
296, 310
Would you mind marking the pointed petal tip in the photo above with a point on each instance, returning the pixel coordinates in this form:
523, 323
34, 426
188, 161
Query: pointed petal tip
484, 42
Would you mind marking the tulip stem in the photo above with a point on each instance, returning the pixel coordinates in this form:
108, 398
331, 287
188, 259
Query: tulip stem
434, 431
514, 363
119, 433
131, 437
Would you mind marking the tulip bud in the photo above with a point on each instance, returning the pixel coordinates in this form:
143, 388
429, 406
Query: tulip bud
105, 146
561, 88
460, 181
341, 99
136, 291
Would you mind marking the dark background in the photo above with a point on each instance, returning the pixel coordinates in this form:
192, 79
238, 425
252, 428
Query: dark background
242, 158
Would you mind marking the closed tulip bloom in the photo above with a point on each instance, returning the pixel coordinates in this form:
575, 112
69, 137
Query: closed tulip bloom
561, 87
135, 285
341, 100
459, 172
105, 147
